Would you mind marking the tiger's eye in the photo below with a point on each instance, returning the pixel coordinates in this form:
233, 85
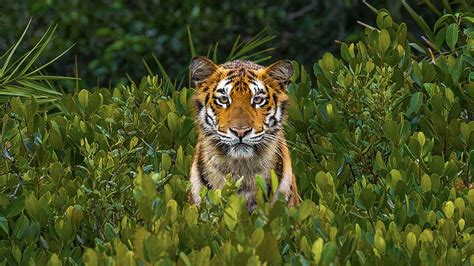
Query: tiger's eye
224, 100
258, 100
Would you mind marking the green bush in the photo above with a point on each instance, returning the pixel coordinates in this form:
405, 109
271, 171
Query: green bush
382, 145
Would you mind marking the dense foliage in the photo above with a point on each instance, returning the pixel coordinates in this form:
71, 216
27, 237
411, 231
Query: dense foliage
382, 145
111, 37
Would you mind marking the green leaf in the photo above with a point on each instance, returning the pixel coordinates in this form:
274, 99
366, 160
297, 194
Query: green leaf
261, 184
471, 162
214, 196
426, 183
83, 98
366, 199
416, 102
54, 260
55, 139
379, 242
95, 102
428, 72
165, 161
230, 218
448, 209
327, 62
379, 160
172, 210
173, 123
329, 253
257, 237
191, 214
185, 259
448, 230
266, 250
317, 249
452, 35
391, 131
274, 181
34, 210
411, 242
4, 224
15, 207
307, 209
345, 52
21, 226
180, 160
146, 184
384, 40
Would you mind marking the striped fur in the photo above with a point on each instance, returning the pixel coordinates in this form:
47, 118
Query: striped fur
240, 111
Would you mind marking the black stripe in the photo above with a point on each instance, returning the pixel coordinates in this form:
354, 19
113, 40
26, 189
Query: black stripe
251, 74
216, 118
222, 148
273, 131
232, 74
275, 98
279, 163
284, 107
198, 104
209, 120
272, 119
261, 147
202, 171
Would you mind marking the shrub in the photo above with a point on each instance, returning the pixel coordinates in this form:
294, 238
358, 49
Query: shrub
382, 145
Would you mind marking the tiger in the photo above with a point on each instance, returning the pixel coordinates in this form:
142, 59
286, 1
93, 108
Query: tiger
240, 110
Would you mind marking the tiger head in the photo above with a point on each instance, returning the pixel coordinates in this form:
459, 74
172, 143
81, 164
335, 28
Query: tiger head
240, 106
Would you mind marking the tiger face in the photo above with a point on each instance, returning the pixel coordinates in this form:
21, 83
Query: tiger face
240, 105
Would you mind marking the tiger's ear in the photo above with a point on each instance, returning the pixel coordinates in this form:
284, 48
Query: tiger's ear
200, 69
281, 71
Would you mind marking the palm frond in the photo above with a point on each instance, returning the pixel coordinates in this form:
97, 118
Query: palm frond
191, 44
247, 49
253, 49
21, 75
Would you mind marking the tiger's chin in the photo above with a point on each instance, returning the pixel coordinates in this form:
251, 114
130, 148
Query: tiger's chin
241, 151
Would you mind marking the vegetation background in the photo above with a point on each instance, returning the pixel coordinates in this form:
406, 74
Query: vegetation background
111, 38
97, 139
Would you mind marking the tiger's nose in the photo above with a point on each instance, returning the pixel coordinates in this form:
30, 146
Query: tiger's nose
240, 131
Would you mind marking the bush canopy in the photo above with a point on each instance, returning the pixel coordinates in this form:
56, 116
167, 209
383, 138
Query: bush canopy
382, 141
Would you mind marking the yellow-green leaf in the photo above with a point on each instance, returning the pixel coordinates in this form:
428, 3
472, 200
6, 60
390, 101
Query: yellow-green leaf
411, 241
384, 40
448, 209
425, 183
316, 249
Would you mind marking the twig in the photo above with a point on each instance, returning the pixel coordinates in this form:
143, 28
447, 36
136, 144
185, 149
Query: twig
302, 11
367, 25
308, 142
430, 44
